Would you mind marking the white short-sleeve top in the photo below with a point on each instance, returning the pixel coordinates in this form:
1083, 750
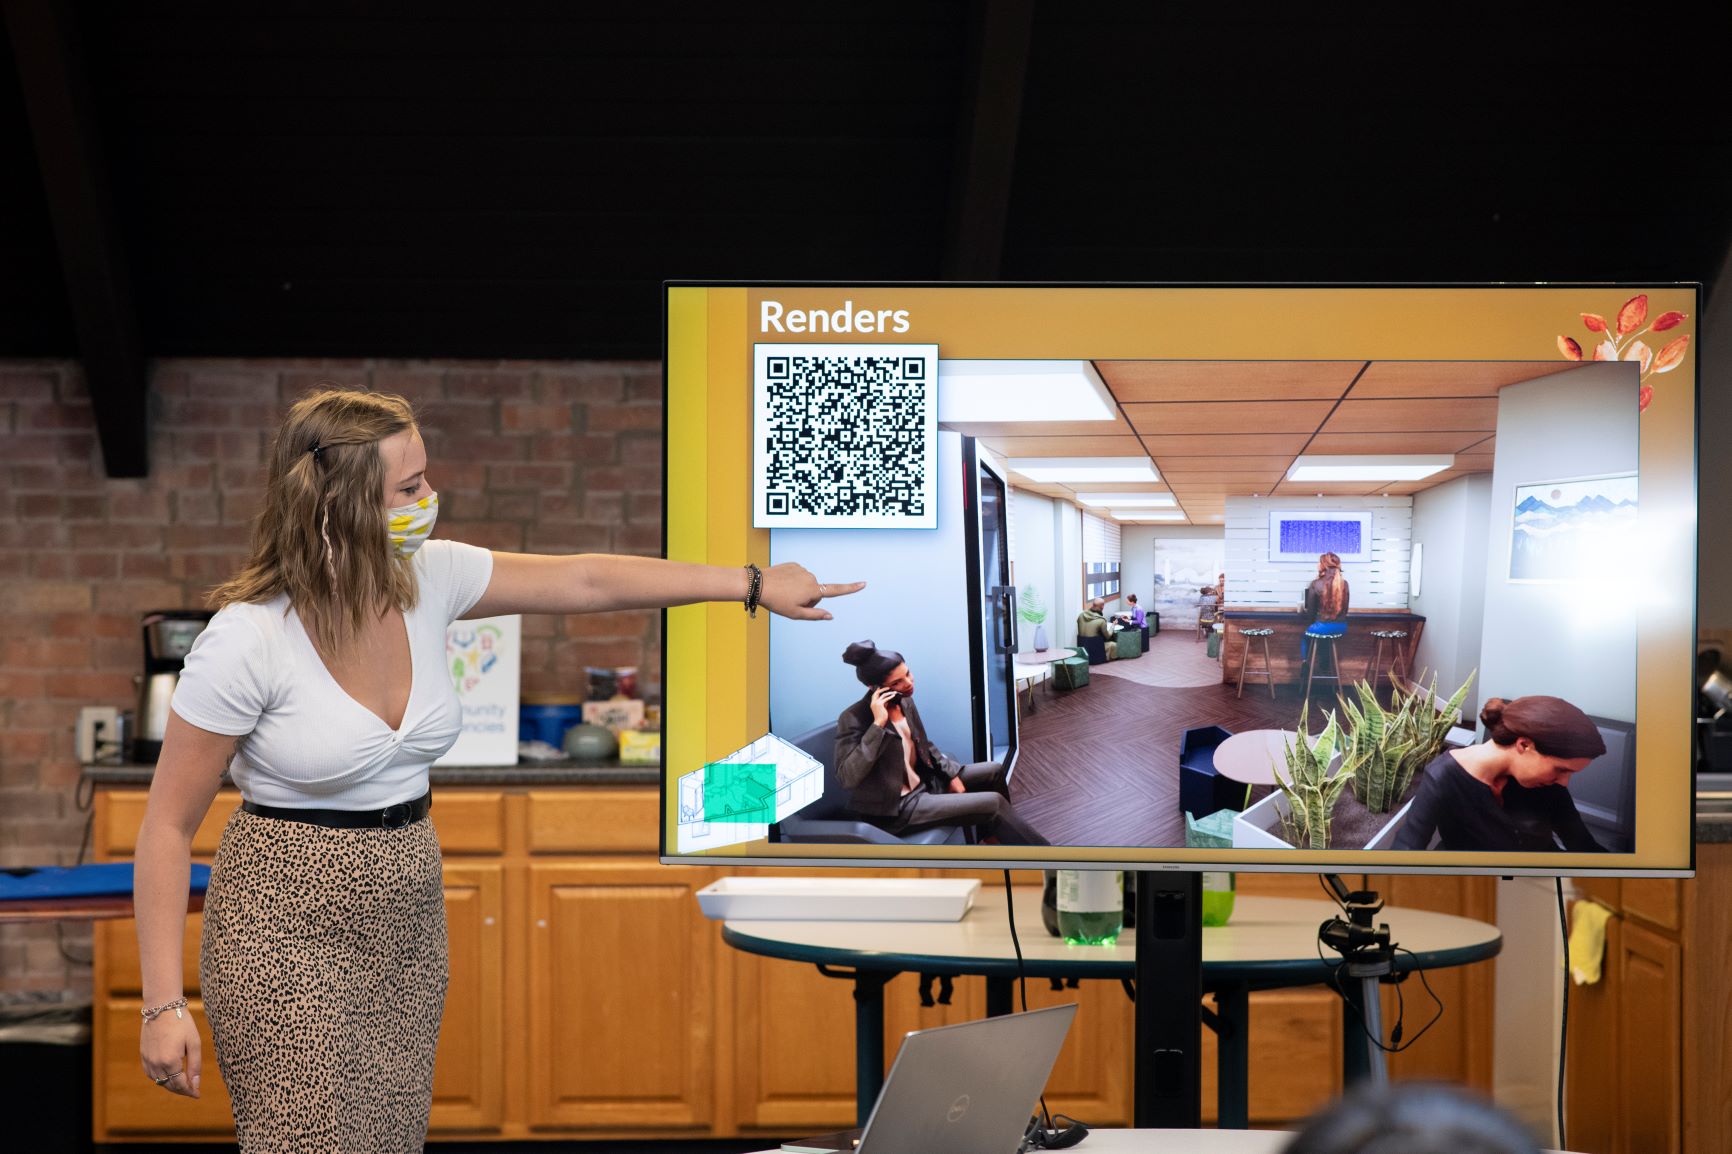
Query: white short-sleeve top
305, 743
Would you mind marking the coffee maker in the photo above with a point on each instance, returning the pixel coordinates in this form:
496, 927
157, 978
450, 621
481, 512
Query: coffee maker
168, 638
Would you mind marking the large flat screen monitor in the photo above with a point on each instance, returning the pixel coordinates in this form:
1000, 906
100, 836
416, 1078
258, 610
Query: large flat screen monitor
1390, 579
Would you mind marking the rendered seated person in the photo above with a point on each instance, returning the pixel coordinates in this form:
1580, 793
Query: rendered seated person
900, 780
1326, 602
1135, 618
1091, 622
1509, 794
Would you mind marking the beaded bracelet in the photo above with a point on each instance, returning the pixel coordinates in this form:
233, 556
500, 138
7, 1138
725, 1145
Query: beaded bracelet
150, 1015
754, 587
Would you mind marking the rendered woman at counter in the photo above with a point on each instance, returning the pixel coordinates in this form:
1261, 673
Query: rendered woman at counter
1509, 794
321, 687
899, 779
1326, 601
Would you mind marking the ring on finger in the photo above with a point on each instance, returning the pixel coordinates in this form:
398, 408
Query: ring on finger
166, 1078
823, 592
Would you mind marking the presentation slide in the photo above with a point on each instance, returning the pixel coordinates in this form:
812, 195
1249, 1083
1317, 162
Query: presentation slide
1394, 579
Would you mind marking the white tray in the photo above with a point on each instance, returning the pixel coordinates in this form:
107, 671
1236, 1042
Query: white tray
840, 899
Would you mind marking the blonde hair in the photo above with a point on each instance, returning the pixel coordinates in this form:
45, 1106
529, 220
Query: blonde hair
321, 537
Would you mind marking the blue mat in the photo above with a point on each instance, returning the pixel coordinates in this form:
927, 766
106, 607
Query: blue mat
85, 881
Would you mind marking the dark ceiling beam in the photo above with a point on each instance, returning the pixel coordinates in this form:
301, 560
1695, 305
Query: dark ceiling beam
999, 32
86, 230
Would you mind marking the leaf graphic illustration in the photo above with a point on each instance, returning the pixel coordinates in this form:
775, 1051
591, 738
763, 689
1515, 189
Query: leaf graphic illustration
1672, 355
1668, 321
1634, 312
1595, 322
1639, 352
1646, 394
1606, 350
1570, 349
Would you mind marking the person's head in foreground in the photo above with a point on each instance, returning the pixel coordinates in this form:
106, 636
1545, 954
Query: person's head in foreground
879, 668
1412, 1118
1545, 739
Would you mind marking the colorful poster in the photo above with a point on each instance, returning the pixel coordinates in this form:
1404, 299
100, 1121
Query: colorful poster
484, 659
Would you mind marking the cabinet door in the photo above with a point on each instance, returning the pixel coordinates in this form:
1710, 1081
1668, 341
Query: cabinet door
468, 1075
131, 1106
1649, 1054
1294, 1067
621, 994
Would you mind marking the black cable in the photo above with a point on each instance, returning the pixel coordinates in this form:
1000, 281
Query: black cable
1341, 992
1564, 1023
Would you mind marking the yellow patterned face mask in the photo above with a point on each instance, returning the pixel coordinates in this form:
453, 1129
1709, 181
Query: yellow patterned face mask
410, 525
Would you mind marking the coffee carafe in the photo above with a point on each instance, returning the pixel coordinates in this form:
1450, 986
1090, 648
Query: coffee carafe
168, 638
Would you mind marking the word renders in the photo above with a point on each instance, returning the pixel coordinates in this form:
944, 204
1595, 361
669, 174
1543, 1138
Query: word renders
845, 437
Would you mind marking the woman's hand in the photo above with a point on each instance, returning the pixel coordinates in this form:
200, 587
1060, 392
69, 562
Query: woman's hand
880, 703
169, 1045
790, 591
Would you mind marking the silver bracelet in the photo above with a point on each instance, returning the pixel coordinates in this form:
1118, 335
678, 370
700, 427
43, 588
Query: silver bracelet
152, 1013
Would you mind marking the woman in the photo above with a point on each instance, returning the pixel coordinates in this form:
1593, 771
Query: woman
1325, 603
320, 686
899, 779
1509, 793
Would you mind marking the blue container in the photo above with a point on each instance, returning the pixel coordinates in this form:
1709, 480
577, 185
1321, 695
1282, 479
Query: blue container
548, 722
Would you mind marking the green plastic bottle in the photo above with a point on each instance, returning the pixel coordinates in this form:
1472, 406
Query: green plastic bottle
1218, 889
1091, 906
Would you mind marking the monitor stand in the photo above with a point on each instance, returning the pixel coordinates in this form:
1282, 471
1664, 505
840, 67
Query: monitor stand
1168, 1092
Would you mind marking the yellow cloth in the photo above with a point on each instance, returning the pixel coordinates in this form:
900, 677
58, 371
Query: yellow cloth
1587, 940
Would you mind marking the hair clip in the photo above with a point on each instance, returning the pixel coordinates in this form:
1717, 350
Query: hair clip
318, 451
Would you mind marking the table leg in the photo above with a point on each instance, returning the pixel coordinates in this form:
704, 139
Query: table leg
1233, 1058
1000, 998
868, 1036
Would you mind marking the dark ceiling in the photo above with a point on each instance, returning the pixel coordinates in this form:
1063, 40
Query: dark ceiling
516, 179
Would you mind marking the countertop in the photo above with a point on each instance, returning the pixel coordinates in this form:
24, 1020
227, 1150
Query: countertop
564, 772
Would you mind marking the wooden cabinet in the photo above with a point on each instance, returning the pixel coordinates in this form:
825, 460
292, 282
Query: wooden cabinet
1650, 1044
468, 1074
622, 1034
590, 999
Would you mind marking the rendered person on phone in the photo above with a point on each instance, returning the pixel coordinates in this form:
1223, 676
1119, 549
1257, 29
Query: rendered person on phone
899, 779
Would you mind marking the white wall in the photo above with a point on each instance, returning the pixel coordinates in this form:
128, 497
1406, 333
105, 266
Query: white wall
1067, 551
1452, 522
1254, 580
1034, 562
1577, 640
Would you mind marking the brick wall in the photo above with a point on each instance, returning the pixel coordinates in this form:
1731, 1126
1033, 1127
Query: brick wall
544, 457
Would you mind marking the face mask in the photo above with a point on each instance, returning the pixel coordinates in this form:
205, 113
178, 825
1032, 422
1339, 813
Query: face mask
410, 525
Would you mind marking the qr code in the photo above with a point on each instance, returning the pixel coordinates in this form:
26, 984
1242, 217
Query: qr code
846, 437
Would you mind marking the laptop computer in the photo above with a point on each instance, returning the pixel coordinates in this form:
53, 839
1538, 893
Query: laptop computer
963, 1089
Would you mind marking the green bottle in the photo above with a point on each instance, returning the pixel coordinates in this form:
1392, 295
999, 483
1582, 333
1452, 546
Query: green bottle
1091, 906
1217, 898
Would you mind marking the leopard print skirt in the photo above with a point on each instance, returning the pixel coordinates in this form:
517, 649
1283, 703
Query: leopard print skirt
324, 969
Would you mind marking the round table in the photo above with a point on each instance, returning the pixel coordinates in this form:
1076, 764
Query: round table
1270, 943
1250, 758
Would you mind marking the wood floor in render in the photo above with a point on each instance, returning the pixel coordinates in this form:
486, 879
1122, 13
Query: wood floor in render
1100, 765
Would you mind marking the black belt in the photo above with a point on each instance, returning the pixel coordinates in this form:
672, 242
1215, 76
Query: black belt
391, 817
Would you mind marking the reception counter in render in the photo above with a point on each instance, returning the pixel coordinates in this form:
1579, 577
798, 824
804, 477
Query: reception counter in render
1355, 650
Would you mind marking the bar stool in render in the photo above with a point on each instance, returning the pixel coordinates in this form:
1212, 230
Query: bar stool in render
1323, 633
1398, 654
1268, 671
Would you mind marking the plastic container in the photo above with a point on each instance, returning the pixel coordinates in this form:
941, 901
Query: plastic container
1091, 906
1218, 892
546, 717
